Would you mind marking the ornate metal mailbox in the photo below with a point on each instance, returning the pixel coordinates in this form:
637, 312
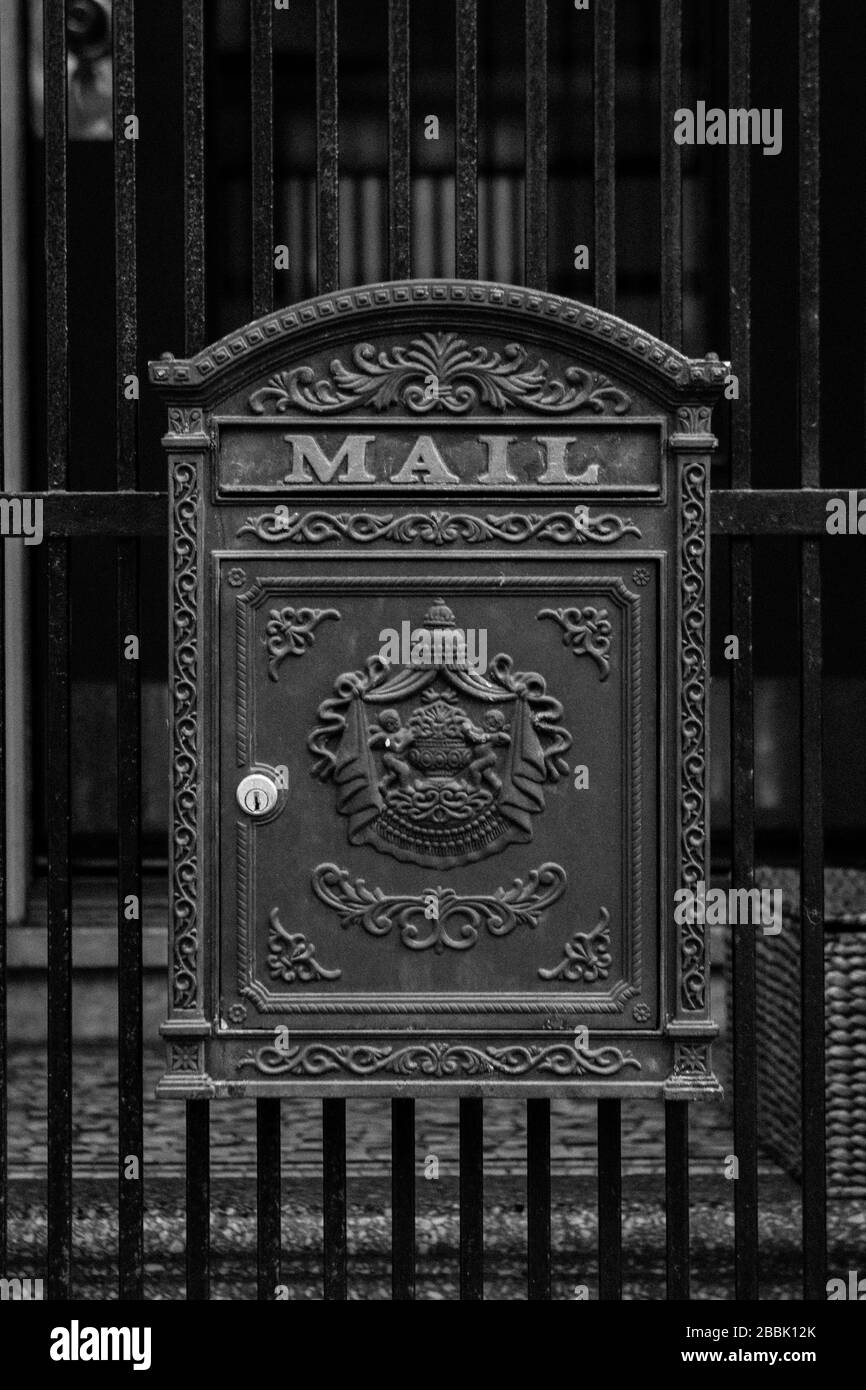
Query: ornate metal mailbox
439, 674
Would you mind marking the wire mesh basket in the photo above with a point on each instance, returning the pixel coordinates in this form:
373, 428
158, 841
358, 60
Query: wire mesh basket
778, 1029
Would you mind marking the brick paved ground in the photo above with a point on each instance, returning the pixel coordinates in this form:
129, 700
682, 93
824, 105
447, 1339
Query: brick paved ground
233, 1128
368, 1126
369, 1216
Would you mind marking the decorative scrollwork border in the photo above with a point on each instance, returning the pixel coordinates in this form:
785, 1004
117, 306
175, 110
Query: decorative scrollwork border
437, 1059
185, 859
422, 919
693, 694
438, 371
576, 527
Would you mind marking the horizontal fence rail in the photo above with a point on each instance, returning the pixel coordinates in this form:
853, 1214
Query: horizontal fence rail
757, 512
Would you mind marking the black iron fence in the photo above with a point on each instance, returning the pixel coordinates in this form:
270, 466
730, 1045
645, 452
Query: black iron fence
747, 517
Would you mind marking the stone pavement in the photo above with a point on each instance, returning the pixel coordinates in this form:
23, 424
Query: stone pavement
573, 1126
233, 1195
368, 1128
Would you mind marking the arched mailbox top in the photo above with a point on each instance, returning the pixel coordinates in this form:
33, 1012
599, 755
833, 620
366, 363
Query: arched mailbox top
510, 375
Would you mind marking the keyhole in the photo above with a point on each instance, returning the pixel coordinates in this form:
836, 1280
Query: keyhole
257, 794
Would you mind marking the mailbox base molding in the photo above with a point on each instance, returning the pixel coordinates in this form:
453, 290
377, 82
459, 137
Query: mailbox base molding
517, 1064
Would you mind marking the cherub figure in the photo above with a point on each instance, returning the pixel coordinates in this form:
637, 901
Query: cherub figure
486, 739
390, 734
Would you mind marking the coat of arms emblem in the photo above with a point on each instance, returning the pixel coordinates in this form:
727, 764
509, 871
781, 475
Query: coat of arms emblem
437, 762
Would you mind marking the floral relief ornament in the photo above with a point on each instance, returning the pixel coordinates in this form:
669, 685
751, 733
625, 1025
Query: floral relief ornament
291, 957
439, 918
439, 371
437, 1059
437, 527
291, 632
587, 956
587, 631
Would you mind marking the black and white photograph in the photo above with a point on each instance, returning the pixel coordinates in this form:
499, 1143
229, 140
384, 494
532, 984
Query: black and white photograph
432, 738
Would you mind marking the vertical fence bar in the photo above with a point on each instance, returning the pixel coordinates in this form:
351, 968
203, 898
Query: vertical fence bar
268, 1115
195, 319
677, 1197
744, 1020
334, 1193
467, 140
399, 144
197, 1200
4, 1046
194, 176
327, 147
57, 759
744, 1011
811, 713
268, 1203
739, 253
471, 1200
671, 174
538, 1199
328, 270
535, 274
604, 253
609, 1199
262, 124
129, 884
403, 1199
535, 212
604, 106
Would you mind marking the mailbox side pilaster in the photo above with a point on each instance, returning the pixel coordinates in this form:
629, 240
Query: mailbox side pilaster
188, 1025
689, 1024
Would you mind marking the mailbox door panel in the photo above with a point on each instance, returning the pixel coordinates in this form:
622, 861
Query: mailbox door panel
467, 760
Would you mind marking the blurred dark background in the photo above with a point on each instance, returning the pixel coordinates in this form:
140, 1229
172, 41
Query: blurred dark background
363, 257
